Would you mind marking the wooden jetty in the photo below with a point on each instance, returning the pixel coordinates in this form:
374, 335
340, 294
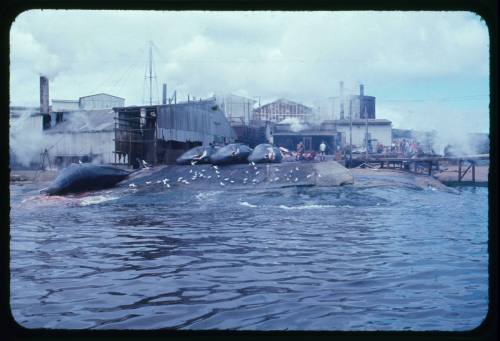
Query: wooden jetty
425, 164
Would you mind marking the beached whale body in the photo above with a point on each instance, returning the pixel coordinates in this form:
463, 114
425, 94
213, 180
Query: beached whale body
265, 153
199, 154
85, 177
230, 154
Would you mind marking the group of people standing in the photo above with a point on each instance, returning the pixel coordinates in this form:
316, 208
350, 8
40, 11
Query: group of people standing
406, 147
302, 155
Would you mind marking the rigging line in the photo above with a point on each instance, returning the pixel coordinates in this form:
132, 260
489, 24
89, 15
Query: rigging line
127, 73
103, 81
112, 74
124, 75
132, 64
158, 51
127, 77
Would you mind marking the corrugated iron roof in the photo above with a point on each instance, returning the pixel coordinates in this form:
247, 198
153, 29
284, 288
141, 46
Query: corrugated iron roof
85, 121
102, 93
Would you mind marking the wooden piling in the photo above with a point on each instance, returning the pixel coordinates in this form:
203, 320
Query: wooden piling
459, 170
473, 172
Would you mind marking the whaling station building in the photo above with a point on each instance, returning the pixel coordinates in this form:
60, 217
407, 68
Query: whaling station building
356, 116
161, 133
101, 128
72, 130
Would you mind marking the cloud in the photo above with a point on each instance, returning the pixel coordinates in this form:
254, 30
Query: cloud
299, 55
33, 55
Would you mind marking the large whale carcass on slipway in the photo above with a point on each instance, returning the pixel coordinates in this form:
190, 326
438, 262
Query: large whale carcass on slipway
84, 177
195, 155
231, 154
265, 153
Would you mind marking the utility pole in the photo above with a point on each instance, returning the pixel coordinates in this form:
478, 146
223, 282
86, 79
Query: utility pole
366, 136
350, 133
341, 100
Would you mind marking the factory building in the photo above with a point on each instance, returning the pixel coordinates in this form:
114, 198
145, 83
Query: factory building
85, 135
356, 116
361, 107
356, 106
83, 129
379, 131
161, 133
91, 102
310, 136
100, 101
60, 105
281, 109
70, 130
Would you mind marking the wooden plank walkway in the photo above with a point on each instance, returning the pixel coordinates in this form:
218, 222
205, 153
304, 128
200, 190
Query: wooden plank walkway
427, 163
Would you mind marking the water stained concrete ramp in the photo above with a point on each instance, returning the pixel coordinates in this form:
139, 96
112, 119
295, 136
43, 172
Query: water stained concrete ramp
286, 174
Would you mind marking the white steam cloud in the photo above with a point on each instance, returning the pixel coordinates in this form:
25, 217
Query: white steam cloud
295, 124
32, 54
27, 140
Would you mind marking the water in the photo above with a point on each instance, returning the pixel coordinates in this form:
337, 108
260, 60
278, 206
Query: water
348, 258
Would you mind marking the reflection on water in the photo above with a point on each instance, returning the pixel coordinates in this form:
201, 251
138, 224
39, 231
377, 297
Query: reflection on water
317, 259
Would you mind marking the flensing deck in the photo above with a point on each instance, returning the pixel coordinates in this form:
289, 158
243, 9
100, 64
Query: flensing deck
379, 159
405, 162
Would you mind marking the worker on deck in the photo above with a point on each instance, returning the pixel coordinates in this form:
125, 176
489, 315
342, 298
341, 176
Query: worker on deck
300, 151
322, 149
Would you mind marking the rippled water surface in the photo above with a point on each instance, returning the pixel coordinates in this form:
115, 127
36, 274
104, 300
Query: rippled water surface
347, 258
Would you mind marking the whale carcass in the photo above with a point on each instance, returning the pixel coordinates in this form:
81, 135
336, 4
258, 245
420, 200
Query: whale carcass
199, 154
85, 177
230, 154
265, 153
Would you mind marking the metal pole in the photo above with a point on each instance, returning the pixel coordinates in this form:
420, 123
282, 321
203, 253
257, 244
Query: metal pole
341, 100
474, 172
150, 73
366, 137
459, 170
129, 145
350, 133
155, 159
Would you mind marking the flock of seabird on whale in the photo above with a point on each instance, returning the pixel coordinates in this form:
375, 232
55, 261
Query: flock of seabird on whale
84, 177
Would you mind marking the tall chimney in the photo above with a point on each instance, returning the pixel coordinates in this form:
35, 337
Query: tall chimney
164, 98
44, 95
341, 100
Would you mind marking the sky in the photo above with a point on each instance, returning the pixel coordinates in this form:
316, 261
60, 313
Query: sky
427, 70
